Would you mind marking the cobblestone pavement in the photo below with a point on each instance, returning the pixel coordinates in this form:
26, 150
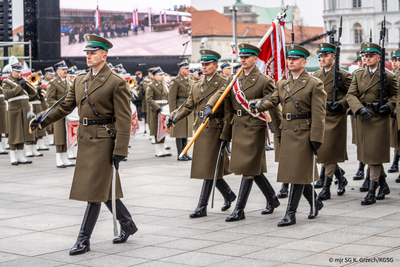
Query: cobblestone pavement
39, 224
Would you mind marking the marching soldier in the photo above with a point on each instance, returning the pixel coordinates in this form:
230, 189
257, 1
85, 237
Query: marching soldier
179, 91
43, 106
373, 133
248, 132
157, 97
360, 172
55, 90
226, 68
303, 101
3, 119
393, 123
103, 101
334, 149
207, 145
17, 92
49, 74
146, 81
397, 75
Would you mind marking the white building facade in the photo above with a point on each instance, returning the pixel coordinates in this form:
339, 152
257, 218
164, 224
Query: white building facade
359, 17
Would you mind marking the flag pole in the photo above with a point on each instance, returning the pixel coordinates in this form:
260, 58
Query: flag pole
222, 97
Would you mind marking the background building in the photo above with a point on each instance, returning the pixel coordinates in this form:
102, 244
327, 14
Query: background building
359, 17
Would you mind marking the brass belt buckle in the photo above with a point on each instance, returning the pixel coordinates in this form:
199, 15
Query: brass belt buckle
288, 116
201, 114
239, 113
85, 122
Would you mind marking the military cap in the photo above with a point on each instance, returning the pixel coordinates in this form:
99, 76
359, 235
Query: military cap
75, 68
71, 72
317, 52
184, 64
208, 56
49, 70
119, 66
15, 64
39, 72
95, 42
393, 54
297, 51
61, 65
237, 67
371, 49
7, 69
111, 66
200, 73
246, 50
362, 47
326, 48
226, 65
151, 69
157, 70
191, 71
398, 53
358, 53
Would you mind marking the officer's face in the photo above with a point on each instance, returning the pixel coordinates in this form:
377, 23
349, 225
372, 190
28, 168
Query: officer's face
185, 72
296, 64
227, 72
248, 62
209, 68
95, 58
62, 73
394, 63
327, 60
48, 75
363, 59
16, 74
372, 60
159, 77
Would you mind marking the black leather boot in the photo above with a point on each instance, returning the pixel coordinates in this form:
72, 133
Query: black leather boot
397, 179
383, 188
82, 244
184, 143
226, 192
201, 209
321, 181
360, 172
325, 193
124, 217
269, 193
283, 192
179, 148
342, 185
366, 184
244, 192
339, 173
370, 198
395, 165
296, 190
308, 194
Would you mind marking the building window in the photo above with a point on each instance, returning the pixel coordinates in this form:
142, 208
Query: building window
333, 4
357, 3
357, 33
384, 5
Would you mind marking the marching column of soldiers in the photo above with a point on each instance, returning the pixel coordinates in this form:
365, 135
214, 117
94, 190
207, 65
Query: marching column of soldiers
308, 112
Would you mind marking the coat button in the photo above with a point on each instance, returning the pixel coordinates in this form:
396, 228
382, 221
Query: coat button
81, 136
285, 128
83, 102
236, 124
286, 101
295, 130
245, 126
90, 137
329, 92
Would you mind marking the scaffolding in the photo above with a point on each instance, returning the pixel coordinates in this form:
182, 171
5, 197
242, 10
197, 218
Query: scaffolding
9, 44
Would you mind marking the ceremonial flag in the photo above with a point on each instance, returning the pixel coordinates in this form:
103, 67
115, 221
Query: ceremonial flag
165, 17
72, 123
177, 18
133, 18
137, 18
272, 61
135, 121
97, 17
160, 18
26, 71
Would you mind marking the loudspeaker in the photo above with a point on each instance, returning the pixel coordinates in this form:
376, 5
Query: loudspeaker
6, 21
30, 28
48, 28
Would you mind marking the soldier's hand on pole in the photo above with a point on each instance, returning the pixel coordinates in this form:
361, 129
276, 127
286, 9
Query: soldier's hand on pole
315, 146
365, 114
207, 113
279, 139
394, 113
35, 123
253, 106
159, 110
223, 143
22, 82
384, 110
337, 106
169, 121
116, 159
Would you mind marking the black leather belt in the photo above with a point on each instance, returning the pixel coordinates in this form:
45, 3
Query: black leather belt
215, 115
374, 106
181, 97
290, 116
86, 121
241, 113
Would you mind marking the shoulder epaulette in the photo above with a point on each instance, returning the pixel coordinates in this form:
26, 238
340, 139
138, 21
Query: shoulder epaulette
344, 70
358, 70
389, 71
317, 79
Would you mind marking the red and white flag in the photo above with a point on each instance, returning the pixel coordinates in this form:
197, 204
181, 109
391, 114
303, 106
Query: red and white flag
272, 60
135, 121
97, 17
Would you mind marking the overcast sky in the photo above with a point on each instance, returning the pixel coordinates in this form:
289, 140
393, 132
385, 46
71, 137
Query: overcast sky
310, 10
122, 5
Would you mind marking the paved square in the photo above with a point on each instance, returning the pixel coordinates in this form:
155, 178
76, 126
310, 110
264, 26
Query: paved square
39, 224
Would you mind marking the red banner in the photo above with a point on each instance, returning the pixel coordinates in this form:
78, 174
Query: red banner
162, 131
72, 129
134, 123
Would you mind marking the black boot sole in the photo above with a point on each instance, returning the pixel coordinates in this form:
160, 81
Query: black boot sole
79, 252
240, 217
